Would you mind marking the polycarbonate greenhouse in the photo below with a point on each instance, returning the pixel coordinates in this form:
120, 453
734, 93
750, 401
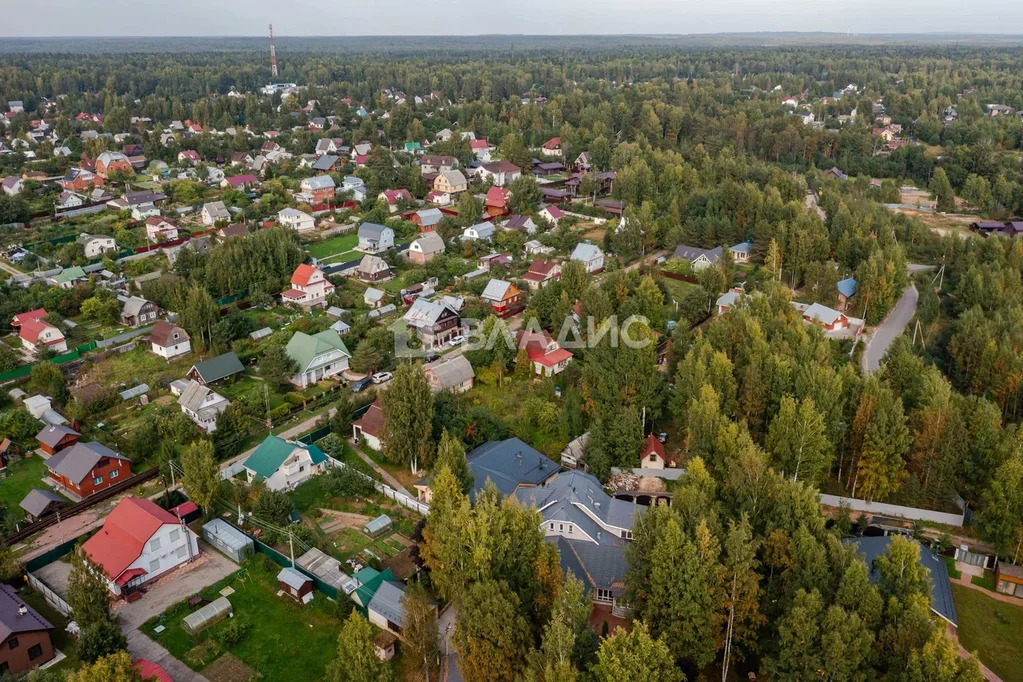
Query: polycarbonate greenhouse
232, 542
214, 612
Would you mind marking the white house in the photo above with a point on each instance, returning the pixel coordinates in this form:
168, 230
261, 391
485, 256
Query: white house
284, 464
309, 288
479, 232
213, 212
297, 220
374, 238
160, 229
202, 405
66, 200
138, 542
34, 330
741, 252
95, 245
169, 340
317, 356
499, 173
589, 255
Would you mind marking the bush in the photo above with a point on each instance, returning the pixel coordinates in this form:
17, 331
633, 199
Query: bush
232, 632
344, 481
280, 411
99, 639
295, 398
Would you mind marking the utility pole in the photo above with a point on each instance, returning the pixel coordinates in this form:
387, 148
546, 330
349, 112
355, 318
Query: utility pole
291, 547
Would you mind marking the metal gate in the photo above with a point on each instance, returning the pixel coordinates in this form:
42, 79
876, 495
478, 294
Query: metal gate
972, 558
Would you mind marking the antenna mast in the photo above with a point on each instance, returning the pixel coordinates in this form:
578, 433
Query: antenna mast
273, 55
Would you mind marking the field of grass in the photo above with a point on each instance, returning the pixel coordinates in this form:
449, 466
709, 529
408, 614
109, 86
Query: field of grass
992, 629
137, 366
283, 640
333, 246
22, 476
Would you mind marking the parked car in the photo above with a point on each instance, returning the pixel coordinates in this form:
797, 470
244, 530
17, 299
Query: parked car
362, 384
456, 341
432, 357
381, 377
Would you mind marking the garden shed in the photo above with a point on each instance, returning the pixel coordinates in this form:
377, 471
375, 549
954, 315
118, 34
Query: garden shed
214, 612
229, 540
377, 526
296, 584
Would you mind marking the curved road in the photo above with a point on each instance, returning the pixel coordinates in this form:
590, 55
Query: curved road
889, 330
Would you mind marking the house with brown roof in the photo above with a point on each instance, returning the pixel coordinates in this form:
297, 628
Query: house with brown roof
369, 428
652, 456
498, 173
552, 147
24, 635
541, 272
169, 340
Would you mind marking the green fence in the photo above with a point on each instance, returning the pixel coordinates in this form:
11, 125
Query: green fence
50, 555
54, 241
25, 370
283, 561
316, 435
227, 300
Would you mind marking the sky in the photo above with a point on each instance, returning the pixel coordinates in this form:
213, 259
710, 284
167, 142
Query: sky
41, 18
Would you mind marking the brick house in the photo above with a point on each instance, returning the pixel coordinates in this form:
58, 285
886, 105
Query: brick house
26, 635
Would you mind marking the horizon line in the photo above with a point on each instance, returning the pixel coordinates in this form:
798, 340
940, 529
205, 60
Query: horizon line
644, 34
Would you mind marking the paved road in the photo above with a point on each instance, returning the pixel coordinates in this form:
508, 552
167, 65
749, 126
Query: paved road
446, 630
889, 330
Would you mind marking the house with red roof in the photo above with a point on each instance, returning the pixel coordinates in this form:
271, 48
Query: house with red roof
139, 542
370, 426
482, 149
309, 288
188, 156
240, 181
552, 147
546, 354
541, 272
34, 331
552, 214
151, 671
393, 197
653, 456
496, 203
159, 229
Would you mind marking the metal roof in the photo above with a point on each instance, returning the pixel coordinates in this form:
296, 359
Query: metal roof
509, 464
387, 602
293, 578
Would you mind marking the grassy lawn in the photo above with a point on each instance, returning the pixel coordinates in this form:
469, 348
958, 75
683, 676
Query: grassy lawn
62, 641
992, 629
279, 632
23, 475
953, 572
137, 366
333, 246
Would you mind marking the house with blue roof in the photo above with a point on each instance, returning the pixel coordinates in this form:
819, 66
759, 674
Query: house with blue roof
284, 464
846, 290
509, 464
590, 529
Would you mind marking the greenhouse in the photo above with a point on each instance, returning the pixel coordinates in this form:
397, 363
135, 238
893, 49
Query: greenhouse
214, 612
229, 540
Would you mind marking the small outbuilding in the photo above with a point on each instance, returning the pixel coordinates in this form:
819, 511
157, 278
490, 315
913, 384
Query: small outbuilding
233, 543
39, 503
296, 584
378, 526
383, 644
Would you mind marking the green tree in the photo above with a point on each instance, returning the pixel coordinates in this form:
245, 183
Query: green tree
87, 592
492, 637
451, 454
741, 592
636, 656
366, 359
419, 634
408, 417
941, 191
797, 440
115, 667
276, 366
201, 480
100, 638
356, 659
556, 659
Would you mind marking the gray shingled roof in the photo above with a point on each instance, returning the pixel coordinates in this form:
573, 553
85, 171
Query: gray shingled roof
293, 578
598, 566
191, 398
453, 372
941, 588
219, 367
51, 435
77, 461
691, 253
509, 464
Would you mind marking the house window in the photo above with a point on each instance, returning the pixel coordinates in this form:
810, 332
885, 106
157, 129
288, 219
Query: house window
115, 473
174, 535
154, 544
34, 652
97, 480
605, 596
552, 525
12, 643
182, 552
561, 528
653, 458
154, 565
627, 534
4, 668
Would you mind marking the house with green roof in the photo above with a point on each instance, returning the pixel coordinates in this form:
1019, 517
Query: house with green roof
284, 464
317, 356
68, 277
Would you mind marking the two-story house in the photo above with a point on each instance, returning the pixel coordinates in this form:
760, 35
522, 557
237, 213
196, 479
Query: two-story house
422, 250
319, 188
374, 238
499, 173
86, 468
95, 245
309, 288
541, 272
138, 311
317, 356
109, 163
297, 220
139, 541
590, 256
435, 163
544, 351
433, 322
455, 374
284, 464
202, 405
34, 331
159, 229
451, 182
169, 340
214, 212
479, 232
501, 295
698, 258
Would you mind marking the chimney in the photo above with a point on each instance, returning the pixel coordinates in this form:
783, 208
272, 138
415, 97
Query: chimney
22, 610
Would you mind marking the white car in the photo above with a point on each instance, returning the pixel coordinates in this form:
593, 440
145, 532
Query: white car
456, 341
381, 377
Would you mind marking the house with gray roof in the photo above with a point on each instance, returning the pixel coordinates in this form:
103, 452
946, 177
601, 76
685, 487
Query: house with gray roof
202, 405
433, 322
86, 468
870, 548
590, 529
137, 312
385, 609
455, 374
510, 464
39, 503
479, 232
374, 238
589, 255
698, 258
